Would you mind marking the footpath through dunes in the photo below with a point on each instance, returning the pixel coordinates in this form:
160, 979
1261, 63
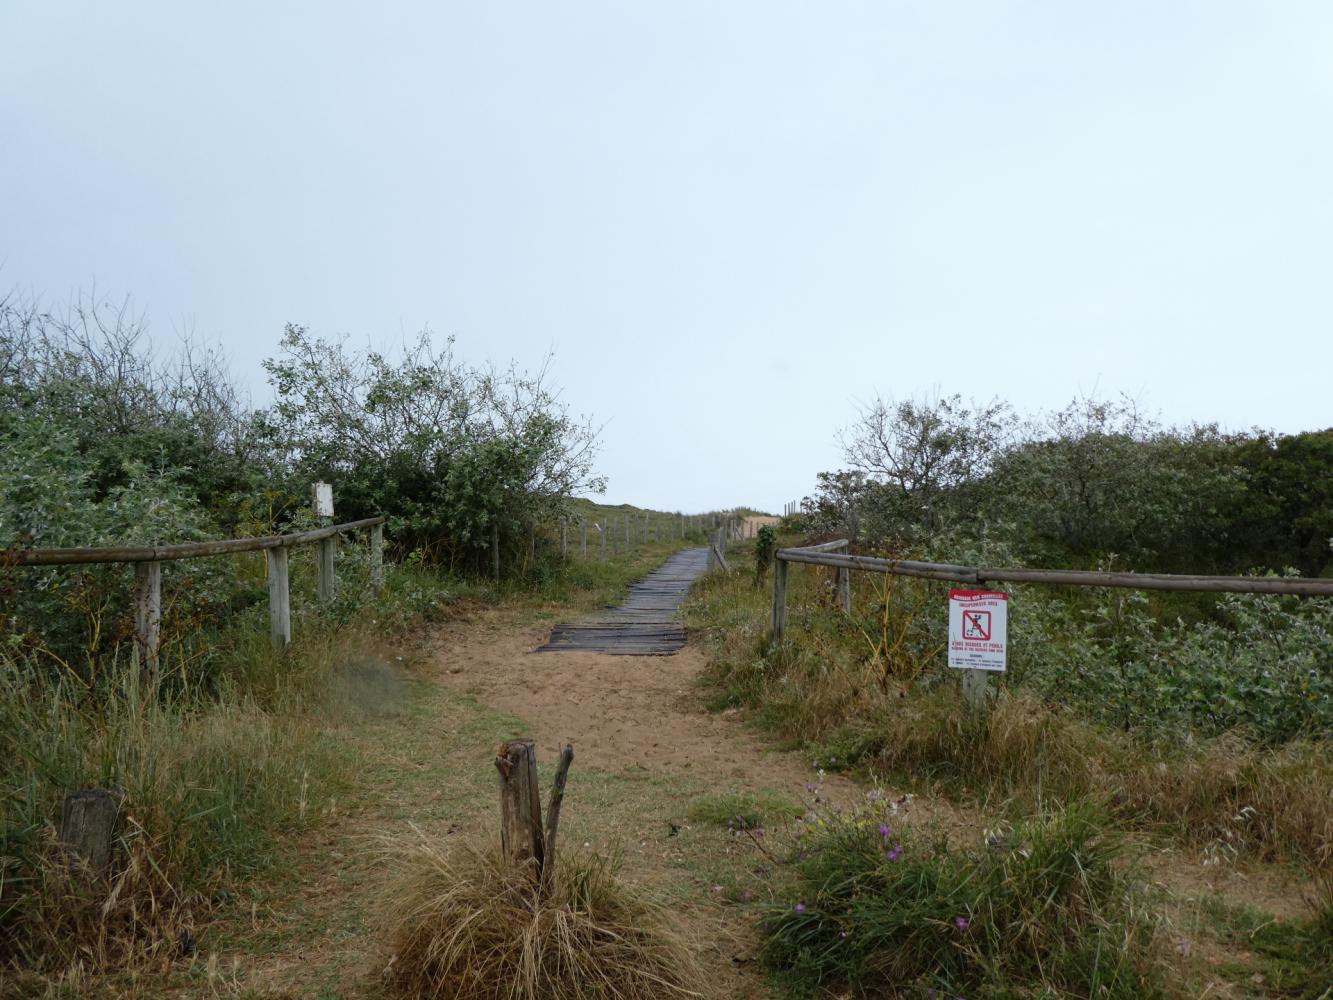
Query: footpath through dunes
647, 624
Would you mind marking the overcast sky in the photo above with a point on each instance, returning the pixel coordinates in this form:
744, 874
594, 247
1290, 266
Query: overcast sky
730, 221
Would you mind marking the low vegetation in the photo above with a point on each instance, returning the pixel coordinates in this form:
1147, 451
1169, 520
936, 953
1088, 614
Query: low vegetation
468, 925
1046, 909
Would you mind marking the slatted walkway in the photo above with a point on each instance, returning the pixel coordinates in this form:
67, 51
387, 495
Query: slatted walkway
646, 624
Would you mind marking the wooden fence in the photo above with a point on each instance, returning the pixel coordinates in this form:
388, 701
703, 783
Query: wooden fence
148, 561
974, 681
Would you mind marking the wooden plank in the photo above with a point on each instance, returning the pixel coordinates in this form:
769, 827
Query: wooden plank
161, 553
1305, 587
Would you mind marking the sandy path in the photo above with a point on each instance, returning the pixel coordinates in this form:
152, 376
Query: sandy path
619, 712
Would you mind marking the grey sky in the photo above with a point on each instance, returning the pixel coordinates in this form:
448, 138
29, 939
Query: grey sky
730, 221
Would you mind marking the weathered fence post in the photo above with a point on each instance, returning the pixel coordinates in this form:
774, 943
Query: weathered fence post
779, 601
148, 618
845, 588
495, 550
521, 838
279, 598
328, 581
88, 826
377, 558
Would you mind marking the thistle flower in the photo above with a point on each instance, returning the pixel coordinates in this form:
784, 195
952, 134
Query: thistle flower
962, 923
798, 908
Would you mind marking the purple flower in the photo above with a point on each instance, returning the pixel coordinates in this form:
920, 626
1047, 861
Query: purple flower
962, 923
896, 853
809, 787
798, 908
884, 831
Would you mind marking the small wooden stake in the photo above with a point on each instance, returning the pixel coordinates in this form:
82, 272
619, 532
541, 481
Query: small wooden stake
779, 602
553, 817
521, 837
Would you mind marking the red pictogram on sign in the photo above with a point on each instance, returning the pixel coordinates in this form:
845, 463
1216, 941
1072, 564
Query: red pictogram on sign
976, 625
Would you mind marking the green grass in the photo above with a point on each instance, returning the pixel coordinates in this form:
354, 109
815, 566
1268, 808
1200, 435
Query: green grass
1049, 909
871, 694
744, 810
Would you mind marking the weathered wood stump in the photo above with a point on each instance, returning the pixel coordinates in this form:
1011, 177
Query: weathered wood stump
88, 822
522, 838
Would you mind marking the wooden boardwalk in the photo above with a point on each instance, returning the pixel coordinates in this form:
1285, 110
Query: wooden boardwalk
647, 623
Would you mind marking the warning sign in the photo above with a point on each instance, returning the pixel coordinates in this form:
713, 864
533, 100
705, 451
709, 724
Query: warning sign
978, 629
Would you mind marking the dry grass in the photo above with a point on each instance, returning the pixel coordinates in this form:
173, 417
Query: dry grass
852, 697
465, 925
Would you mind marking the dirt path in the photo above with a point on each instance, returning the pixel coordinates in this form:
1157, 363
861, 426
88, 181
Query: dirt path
647, 752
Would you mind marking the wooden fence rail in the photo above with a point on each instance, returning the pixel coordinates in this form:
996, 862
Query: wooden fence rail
148, 561
974, 681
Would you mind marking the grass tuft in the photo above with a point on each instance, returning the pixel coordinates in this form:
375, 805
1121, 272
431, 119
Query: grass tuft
744, 810
468, 926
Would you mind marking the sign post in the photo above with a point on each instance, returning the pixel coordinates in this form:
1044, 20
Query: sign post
978, 637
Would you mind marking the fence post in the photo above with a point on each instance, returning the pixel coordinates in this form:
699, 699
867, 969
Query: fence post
148, 618
279, 599
377, 558
779, 602
328, 582
845, 588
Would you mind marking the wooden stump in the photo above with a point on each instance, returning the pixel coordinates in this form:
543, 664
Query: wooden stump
521, 837
88, 826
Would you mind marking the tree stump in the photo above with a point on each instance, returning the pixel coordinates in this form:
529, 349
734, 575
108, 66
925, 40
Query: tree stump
521, 837
88, 826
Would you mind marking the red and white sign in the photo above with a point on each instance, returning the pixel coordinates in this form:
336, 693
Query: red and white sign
978, 629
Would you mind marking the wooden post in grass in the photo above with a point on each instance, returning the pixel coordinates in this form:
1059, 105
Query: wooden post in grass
845, 588
779, 602
377, 558
88, 826
148, 619
553, 818
495, 550
328, 581
521, 838
279, 598
974, 687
